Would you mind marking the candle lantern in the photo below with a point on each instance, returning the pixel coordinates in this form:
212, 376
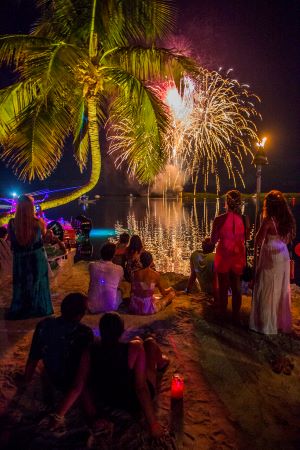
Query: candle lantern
177, 386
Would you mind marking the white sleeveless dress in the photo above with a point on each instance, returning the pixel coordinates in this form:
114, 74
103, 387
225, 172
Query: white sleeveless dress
271, 303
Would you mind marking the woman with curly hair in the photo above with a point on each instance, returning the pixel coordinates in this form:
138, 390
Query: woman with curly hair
271, 305
229, 233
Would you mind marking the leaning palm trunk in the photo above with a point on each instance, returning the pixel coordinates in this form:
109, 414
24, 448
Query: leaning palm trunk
96, 165
86, 58
96, 160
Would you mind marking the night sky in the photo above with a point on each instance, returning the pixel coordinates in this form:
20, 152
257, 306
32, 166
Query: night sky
259, 39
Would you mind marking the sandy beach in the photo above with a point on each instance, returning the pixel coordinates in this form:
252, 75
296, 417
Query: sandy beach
232, 399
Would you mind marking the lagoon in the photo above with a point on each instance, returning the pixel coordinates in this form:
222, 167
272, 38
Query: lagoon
170, 228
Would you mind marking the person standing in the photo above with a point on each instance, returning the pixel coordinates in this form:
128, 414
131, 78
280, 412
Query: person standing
271, 304
31, 291
229, 233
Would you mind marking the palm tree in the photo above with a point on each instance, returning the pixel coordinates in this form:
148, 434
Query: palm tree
83, 62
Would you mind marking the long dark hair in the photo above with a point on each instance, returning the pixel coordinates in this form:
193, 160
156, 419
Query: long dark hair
25, 222
276, 206
135, 245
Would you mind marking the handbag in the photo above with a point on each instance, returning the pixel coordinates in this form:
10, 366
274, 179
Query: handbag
247, 274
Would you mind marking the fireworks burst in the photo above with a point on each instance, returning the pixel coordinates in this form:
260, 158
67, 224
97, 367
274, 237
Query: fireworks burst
213, 121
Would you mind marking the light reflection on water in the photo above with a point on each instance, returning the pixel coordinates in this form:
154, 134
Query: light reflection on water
171, 230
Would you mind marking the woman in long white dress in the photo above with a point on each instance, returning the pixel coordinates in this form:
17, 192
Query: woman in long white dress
271, 303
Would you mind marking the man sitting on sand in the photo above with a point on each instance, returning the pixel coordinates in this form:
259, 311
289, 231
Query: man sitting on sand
143, 300
59, 342
202, 269
105, 277
114, 374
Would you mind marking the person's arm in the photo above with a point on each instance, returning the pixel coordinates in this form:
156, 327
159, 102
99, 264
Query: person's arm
77, 387
162, 290
260, 237
137, 360
42, 226
61, 245
34, 356
217, 224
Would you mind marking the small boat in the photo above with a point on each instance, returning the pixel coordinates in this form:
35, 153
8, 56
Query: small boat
84, 200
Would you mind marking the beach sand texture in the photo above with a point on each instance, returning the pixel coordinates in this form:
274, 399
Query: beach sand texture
232, 398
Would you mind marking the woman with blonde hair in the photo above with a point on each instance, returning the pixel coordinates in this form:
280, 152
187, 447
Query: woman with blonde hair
271, 304
229, 232
31, 293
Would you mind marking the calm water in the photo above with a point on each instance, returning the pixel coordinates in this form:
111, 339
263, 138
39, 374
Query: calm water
170, 229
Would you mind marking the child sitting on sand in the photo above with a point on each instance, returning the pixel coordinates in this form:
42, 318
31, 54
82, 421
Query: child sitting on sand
202, 269
143, 300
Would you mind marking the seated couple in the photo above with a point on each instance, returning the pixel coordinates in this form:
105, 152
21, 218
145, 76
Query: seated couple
105, 278
106, 375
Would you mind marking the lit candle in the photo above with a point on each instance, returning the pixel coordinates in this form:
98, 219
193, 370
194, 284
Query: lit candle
177, 386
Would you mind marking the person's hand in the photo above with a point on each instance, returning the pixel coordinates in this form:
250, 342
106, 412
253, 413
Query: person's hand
156, 430
52, 422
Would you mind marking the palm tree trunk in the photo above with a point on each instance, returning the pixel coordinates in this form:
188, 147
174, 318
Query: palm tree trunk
96, 165
96, 160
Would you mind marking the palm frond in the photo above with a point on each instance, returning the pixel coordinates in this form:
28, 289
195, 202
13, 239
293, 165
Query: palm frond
15, 48
152, 63
132, 144
137, 119
57, 19
35, 147
13, 101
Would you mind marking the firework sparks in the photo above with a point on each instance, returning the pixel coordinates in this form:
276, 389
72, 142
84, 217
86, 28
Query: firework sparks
213, 121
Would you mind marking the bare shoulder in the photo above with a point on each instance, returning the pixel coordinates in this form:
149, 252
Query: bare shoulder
155, 275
